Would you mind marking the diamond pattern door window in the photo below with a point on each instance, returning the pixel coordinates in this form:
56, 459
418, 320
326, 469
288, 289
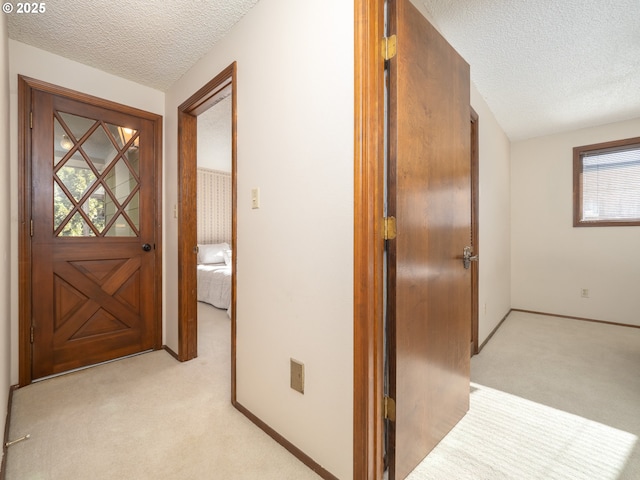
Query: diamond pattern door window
95, 180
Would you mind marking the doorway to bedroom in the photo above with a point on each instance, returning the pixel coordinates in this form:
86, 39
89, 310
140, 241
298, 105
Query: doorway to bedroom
214, 211
207, 209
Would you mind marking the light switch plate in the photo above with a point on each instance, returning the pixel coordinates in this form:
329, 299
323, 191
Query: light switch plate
255, 198
297, 376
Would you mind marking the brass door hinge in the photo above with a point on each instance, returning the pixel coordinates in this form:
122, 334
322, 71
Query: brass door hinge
31, 335
31, 227
389, 227
389, 47
389, 409
30, 119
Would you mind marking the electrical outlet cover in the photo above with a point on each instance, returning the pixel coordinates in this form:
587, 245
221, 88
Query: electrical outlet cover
297, 376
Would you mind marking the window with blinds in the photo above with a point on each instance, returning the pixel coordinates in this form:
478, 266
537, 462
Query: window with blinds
606, 180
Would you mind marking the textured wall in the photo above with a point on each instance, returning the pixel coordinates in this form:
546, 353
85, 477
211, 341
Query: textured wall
214, 206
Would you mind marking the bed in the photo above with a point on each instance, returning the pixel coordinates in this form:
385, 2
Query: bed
214, 274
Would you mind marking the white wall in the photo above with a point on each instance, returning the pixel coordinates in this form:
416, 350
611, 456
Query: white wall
494, 296
295, 254
214, 137
5, 214
36, 63
551, 260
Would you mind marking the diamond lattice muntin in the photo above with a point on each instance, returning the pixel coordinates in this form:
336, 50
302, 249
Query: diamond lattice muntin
95, 178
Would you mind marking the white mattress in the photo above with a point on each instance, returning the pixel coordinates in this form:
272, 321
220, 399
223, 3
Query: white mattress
214, 285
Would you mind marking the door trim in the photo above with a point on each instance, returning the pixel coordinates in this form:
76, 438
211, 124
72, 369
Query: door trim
26, 86
188, 112
368, 241
475, 224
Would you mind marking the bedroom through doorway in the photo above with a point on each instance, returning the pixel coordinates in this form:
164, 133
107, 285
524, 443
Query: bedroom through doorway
207, 210
214, 211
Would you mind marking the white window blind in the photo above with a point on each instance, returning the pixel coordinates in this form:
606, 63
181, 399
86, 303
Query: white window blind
611, 185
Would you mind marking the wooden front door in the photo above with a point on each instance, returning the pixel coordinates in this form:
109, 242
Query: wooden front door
429, 303
94, 237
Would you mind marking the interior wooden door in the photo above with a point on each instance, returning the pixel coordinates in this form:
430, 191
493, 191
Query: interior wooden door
93, 235
429, 194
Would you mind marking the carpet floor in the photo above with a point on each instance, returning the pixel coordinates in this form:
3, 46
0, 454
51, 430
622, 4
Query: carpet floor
145, 417
552, 398
508, 437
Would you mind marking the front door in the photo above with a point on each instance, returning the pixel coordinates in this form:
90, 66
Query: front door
429, 290
94, 236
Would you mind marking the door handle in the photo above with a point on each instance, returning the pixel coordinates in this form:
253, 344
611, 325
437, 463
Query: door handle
146, 247
468, 257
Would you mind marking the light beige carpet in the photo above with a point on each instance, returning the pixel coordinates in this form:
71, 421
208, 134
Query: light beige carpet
145, 417
572, 411
150, 417
505, 437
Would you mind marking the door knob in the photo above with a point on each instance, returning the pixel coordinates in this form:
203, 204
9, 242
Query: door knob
146, 247
467, 257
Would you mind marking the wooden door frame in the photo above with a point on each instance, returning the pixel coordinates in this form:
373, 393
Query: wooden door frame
26, 86
188, 112
475, 224
368, 242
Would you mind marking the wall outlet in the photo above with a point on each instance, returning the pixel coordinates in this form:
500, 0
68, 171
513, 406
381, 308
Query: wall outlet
584, 293
297, 376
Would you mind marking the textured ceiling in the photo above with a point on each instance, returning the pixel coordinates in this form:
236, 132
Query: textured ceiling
543, 66
152, 42
547, 66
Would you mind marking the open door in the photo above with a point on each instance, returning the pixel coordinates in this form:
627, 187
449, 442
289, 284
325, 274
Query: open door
429, 194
